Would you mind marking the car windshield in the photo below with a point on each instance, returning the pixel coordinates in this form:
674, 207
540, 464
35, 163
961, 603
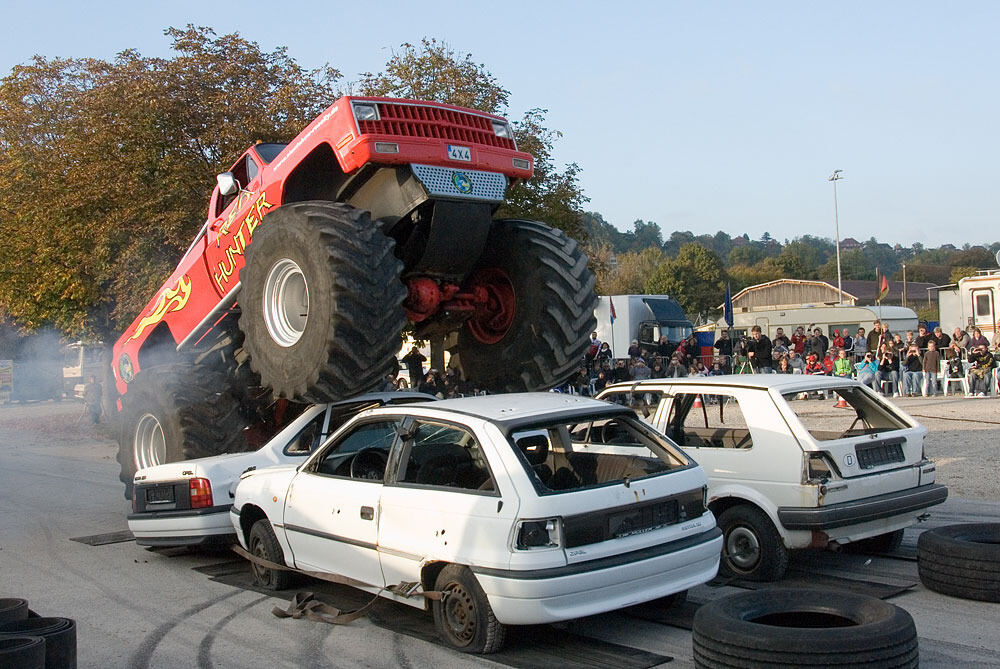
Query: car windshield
594, 451
864, 413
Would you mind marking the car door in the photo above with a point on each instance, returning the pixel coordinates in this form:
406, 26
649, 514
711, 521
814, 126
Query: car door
233, 222
332, 507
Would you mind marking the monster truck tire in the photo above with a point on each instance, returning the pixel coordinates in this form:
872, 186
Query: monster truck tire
321, 302
961, 560
533, 334
799, 627
176, 412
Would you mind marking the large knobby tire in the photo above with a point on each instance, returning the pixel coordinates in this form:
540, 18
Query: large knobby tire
177, 412
321, 302
961, 560
798, 627
264, 544
463, 617
534, 331
752, 549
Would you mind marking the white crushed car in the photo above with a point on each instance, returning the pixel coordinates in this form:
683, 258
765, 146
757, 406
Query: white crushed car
786, 468
187, 503
520, 509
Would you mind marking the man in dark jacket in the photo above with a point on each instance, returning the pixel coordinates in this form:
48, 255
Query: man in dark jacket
759, 351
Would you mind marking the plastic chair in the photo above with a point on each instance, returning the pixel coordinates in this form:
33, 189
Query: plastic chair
947, 381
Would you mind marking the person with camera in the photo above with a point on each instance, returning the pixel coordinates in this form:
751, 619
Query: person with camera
980, 371
867, 369
888, 370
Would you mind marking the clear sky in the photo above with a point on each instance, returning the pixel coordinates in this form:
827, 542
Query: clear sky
700, 116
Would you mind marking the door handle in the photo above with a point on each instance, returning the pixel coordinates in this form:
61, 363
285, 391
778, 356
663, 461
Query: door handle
367, 513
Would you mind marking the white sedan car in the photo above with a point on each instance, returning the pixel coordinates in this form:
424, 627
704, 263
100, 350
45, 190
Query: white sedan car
187, 503
521, 509
789, 469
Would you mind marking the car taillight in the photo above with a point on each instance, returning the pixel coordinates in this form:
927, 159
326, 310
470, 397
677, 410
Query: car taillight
535, 534
201, 493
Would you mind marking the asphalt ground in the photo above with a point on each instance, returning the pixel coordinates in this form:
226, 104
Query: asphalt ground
141, 608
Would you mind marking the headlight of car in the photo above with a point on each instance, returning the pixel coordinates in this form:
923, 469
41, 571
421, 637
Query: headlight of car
501, 129
364, 111
537, 534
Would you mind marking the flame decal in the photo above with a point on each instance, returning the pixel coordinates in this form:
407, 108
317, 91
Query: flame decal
172, 299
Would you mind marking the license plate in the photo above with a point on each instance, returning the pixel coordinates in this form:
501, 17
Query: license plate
160, 495
644, 519
459, 153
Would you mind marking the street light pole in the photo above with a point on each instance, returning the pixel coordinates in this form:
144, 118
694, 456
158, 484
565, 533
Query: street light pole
835, 177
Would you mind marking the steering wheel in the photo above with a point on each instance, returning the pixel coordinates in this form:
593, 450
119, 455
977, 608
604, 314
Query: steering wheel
369, 463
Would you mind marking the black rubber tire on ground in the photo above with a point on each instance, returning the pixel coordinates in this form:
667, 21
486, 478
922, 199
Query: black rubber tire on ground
13, 608
882, 543
22, 652
540, 344
264, 544
59, 635
961, 560
752, 549
464, 618
321, 302
177, 412
798, 627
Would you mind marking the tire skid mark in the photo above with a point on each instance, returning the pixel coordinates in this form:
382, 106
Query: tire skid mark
311, 654
144, 653
205, 646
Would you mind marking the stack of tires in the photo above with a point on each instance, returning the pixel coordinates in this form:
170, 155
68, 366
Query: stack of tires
961, 560
28, 641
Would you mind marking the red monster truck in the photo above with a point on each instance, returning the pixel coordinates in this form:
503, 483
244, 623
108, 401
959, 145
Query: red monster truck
314, 256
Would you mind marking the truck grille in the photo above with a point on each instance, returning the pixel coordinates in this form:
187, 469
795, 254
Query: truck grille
434, 122
879, 453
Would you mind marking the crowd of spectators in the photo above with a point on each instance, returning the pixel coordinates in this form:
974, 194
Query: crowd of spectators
892, 363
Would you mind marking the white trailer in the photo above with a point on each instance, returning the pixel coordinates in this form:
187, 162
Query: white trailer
973, 304
644, 318
826, 317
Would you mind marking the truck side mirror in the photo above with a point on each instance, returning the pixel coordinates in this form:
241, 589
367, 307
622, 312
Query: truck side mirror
227, 183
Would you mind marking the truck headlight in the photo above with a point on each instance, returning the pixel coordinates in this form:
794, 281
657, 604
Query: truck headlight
365, 112
535, 534
501, 129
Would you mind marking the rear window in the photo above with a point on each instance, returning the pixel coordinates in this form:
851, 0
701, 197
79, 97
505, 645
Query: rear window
863, 415
592, 452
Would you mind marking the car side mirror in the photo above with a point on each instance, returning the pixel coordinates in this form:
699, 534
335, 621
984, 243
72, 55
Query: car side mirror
227, 183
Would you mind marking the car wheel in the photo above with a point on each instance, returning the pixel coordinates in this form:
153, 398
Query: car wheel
803, 627
463, 617
752, 548
176, 412
263, 544
321, 302
961, 560
539, 312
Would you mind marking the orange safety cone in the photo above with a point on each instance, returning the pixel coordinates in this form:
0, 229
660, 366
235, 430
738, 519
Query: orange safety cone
841, 403
697, 402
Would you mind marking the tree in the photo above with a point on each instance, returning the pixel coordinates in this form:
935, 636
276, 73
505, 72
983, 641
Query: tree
695, 278
106, 167
435, 71
632, 272
961, 272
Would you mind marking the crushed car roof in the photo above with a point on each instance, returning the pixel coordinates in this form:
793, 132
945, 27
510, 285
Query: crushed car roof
780, 382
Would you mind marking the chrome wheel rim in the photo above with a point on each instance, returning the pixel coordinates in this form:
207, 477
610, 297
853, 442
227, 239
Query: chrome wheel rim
286, 303
149, 445
743, 548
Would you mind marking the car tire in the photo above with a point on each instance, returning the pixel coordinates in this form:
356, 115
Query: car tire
321, 302
752, 549
881, 543
541, 309
13, 608
22, 651
463, 617
176, 412
264, 544
59, 635
961, 560
803, 627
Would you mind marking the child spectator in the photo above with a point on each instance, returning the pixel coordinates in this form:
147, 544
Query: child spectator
842, 366
932, 363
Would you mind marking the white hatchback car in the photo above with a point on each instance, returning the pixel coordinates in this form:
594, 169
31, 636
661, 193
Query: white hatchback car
522, 509
187, 503
787, 471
